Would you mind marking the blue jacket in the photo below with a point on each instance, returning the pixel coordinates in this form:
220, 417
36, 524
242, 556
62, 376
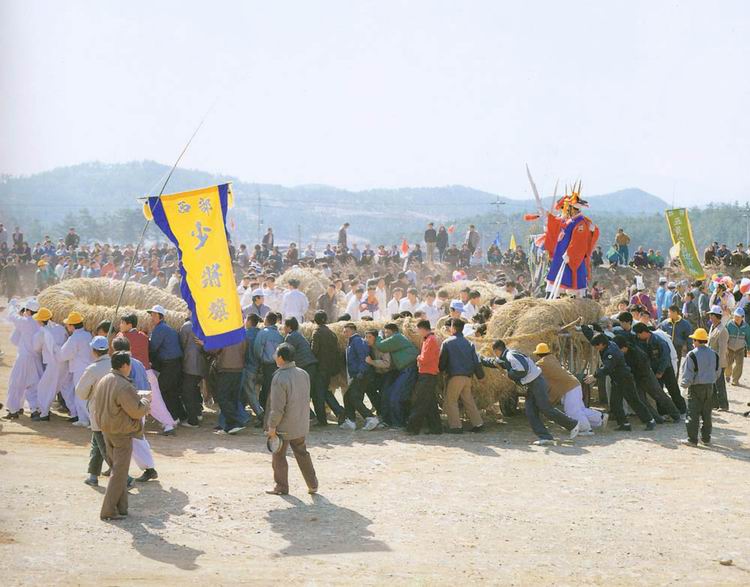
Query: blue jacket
458, 356
357, 350
658, 352
265, 344
613, 363
138, 374
303, 355
707, 362
164, 344
679, 332
737, 334
251, 362
661, 292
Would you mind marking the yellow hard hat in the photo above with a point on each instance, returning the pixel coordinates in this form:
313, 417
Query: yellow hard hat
700, 334
43, 315
542, 349
42, 263
73, 319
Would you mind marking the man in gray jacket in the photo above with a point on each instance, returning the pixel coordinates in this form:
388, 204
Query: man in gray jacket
702, 368
289, 417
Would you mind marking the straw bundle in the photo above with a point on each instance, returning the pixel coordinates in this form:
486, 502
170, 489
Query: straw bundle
95, 299
312, 282
485, 289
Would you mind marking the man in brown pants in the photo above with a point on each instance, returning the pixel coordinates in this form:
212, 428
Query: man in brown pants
119, 411
458, 358
289, 417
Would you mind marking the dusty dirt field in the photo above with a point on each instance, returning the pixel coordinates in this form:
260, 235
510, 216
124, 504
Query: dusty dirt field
620, 509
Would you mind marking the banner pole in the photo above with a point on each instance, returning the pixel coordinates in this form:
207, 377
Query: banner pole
148, 222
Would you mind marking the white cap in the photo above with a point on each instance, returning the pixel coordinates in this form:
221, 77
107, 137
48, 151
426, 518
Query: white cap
157, 309
258, 292
716, 310
662, 280
31, 304
671, 284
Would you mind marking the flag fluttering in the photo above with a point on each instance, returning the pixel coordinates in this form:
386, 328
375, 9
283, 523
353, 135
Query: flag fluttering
195, 222
451, 229
512, 245
404, 248
496, 242
684, 244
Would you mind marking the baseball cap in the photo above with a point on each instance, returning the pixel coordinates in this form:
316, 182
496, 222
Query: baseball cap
157, 309
99, 343
457, 305
716, 310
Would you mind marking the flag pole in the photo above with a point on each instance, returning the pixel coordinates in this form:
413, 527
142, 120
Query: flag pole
148, 222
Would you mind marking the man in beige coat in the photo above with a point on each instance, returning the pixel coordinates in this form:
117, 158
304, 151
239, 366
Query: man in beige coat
718, 341
289, 417
118, 411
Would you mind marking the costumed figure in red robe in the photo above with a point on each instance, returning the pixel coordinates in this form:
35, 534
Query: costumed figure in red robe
569, 239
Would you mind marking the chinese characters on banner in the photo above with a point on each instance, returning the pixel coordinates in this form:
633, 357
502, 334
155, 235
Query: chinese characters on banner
684, 245
195, 222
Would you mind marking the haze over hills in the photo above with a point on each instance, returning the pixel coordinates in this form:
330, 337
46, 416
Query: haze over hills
101, 200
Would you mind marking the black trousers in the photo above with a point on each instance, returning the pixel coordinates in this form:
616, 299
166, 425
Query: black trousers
98, 454
228, 396
700, 402
648, 385
623, 387
170, 376
353, 399
425, 407
191, 397
267, 370
669, 380
323, 395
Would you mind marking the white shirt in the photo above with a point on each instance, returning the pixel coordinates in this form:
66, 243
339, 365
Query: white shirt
392, 308
406, 306
382, 298
272, 297
77, 352
352, 308
469, 312
294, 303
25, 328
431, 311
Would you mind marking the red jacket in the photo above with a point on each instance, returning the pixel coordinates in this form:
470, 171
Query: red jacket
138, 346
429, 356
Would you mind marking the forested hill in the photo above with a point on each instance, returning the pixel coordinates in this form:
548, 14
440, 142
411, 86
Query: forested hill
100, 199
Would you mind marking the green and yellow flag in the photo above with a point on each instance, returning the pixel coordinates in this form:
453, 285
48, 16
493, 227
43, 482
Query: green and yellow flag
684, 245
195, 222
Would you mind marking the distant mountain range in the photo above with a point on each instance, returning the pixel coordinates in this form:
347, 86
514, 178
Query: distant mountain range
315, 210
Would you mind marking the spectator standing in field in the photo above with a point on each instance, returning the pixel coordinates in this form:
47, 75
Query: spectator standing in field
472, 239
343, 237
294, 303
718, 341
288, 417
622, 241
737, 345
702, 370
430, 242
441, 242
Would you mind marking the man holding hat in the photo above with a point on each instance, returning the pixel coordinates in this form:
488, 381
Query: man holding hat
702, 370
165, 354
77, 352
563, 386
28, 366
48, 341
737, 345
718, 341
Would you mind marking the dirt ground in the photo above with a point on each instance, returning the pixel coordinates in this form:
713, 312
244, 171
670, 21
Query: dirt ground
617, 508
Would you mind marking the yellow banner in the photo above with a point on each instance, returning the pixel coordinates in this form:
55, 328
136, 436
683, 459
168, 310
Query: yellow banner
195, 222
684, 245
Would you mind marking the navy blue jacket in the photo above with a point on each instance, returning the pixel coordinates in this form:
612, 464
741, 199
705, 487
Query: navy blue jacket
357, 350
458, 356
613, 363
679, 333
657, 350
303, 355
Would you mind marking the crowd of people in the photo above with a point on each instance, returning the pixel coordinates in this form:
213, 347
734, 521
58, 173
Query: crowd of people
280, 379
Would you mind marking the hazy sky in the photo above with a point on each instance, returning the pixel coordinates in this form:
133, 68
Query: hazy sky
356, 94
